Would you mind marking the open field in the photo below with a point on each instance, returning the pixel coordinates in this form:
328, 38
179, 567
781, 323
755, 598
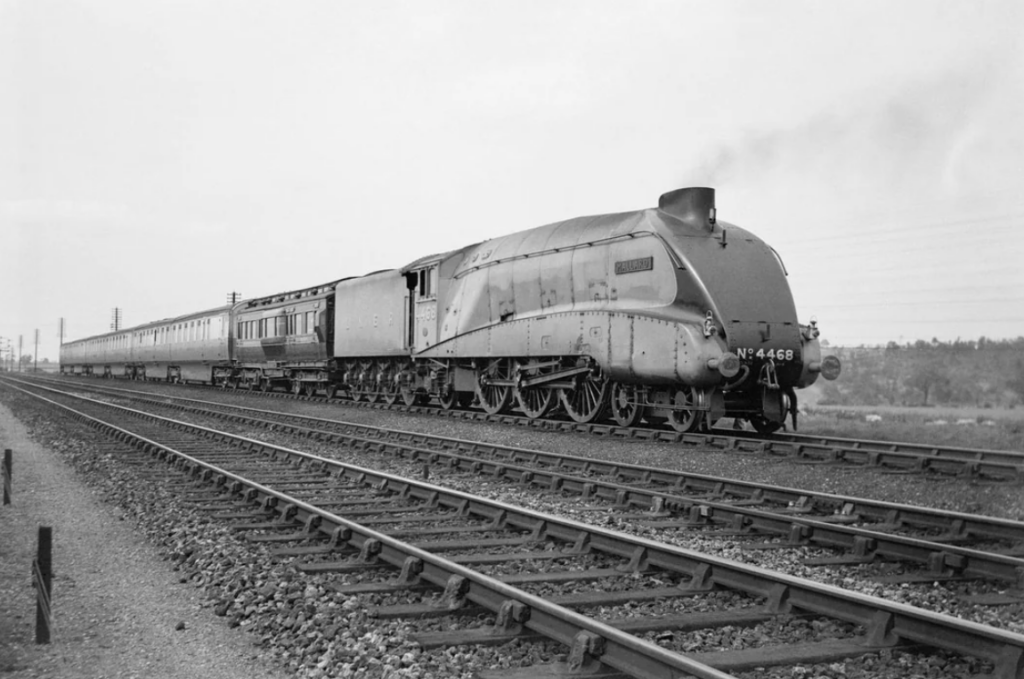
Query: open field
993, 428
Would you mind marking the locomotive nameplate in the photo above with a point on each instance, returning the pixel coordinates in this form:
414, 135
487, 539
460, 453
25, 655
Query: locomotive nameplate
634, 265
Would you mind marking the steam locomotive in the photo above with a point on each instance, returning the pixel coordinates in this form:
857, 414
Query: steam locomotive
663, 314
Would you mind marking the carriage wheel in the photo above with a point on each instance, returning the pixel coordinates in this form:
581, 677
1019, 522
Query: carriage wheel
296, 387
686, 420
310, 389
265, 385
588, 400
625, 404
332, 391
494, 398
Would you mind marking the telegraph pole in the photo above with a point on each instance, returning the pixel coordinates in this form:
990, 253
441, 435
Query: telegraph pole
233, 297
19, 352
60, 353
35, 354
115, 319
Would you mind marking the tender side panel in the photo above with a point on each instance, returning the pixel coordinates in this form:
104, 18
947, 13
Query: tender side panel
371, 316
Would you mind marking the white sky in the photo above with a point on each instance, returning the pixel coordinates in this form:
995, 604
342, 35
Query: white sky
155, 156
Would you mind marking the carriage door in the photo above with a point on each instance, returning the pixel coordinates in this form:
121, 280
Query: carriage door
424, 306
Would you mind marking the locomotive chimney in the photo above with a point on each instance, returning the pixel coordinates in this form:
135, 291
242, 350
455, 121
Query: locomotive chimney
694, 206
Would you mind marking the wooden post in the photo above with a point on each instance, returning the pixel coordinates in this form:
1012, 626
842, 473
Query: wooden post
42, 569
7, 476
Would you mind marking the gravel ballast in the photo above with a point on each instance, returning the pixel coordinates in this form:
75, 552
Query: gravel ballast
303, 627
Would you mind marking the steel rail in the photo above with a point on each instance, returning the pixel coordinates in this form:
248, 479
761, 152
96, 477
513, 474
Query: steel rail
886, 622
941, 559
911, 457
843, 508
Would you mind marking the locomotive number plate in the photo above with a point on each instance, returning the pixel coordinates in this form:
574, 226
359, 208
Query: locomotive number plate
634, 265
774, 354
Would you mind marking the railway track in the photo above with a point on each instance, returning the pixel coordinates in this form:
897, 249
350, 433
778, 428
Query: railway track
999, 465
591, 568
932, 545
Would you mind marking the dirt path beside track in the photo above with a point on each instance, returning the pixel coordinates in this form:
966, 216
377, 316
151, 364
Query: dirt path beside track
119, 610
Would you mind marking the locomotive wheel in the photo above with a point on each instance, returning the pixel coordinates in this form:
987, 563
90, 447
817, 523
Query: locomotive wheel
450, 400
588, 400
535, 403
685, 420
332, 391
625, 404
775, 405
389, 387
762, 425
411, 397
493, 398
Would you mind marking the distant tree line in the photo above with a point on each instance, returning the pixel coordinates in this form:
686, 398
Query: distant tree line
983, 373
